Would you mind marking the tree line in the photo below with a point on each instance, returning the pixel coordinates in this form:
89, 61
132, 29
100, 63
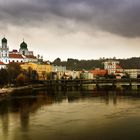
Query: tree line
13, 75
75, 64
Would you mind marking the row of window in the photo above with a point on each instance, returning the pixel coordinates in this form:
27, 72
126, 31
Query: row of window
13, 61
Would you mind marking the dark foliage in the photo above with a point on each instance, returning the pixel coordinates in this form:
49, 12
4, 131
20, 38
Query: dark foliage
75, 64
3, 77
13, 70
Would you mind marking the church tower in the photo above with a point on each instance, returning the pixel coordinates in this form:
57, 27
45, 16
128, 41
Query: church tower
23, 48
4, 51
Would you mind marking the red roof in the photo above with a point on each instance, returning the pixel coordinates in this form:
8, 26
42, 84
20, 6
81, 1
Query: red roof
99, 72
19, 56
118, 67
1, 63
30, 56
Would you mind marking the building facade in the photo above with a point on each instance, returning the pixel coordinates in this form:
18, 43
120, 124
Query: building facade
4, 51
23, 55
43, 70
111, 66
133, 73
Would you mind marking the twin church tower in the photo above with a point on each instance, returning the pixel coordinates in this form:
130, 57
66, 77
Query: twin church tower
23, 55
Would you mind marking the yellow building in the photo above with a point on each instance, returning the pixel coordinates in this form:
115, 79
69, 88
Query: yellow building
43, 70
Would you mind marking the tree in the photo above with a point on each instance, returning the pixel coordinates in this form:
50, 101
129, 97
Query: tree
20, 80
44, 74
57, 61
29, 74
13, 70
34, 75
3, 77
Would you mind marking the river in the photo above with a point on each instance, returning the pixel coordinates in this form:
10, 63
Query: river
71, 114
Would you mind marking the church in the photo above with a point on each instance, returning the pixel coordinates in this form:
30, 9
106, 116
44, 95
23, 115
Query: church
21, 56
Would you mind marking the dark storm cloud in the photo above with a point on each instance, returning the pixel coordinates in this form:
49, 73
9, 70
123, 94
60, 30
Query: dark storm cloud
116, 16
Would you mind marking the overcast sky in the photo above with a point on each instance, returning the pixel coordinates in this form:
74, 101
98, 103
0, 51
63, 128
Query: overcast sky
81, 29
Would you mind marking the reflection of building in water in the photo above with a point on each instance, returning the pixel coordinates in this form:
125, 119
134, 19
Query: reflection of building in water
4, 118
24, 114
5, 124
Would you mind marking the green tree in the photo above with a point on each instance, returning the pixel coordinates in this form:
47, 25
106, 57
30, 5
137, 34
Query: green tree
57, 61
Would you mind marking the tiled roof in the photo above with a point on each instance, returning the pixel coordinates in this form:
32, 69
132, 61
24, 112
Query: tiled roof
19, 56
98, 72
1, 63
30, 56
118, 67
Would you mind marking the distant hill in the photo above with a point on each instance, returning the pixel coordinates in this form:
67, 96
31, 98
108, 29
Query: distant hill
75, 64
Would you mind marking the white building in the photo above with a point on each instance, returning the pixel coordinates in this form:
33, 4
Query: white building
59, 70
23, 55
111, 66
4, 51
133, 73
24, 49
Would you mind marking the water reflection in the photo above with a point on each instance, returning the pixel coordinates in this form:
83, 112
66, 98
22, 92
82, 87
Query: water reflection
49, 110
4, 116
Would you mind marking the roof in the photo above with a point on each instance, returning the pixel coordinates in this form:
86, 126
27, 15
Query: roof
30, 56
99, 72
19, 56
4, 40
1, 63
118, 67
23, 45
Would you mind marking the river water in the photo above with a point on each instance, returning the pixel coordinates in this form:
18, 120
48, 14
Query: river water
71, 114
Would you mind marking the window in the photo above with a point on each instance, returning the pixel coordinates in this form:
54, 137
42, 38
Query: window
23, 52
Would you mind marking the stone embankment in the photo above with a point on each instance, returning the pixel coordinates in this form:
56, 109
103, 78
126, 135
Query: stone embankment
5, 92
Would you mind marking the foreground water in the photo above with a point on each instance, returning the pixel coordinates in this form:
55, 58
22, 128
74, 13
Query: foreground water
71, 114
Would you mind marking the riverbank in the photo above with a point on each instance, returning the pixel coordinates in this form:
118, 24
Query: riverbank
6, 91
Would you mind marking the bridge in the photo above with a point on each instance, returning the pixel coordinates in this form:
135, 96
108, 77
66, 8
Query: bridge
97, 82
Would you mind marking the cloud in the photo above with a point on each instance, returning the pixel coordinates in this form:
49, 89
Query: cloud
119, 17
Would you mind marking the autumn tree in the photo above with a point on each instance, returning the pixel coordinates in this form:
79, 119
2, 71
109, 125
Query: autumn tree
21, 79
44, 75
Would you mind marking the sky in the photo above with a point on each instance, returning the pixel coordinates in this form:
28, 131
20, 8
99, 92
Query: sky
79, 29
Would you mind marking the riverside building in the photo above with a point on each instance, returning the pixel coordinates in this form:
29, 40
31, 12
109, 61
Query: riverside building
23, 55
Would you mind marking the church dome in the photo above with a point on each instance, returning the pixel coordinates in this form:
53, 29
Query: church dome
23, 45
4, 40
